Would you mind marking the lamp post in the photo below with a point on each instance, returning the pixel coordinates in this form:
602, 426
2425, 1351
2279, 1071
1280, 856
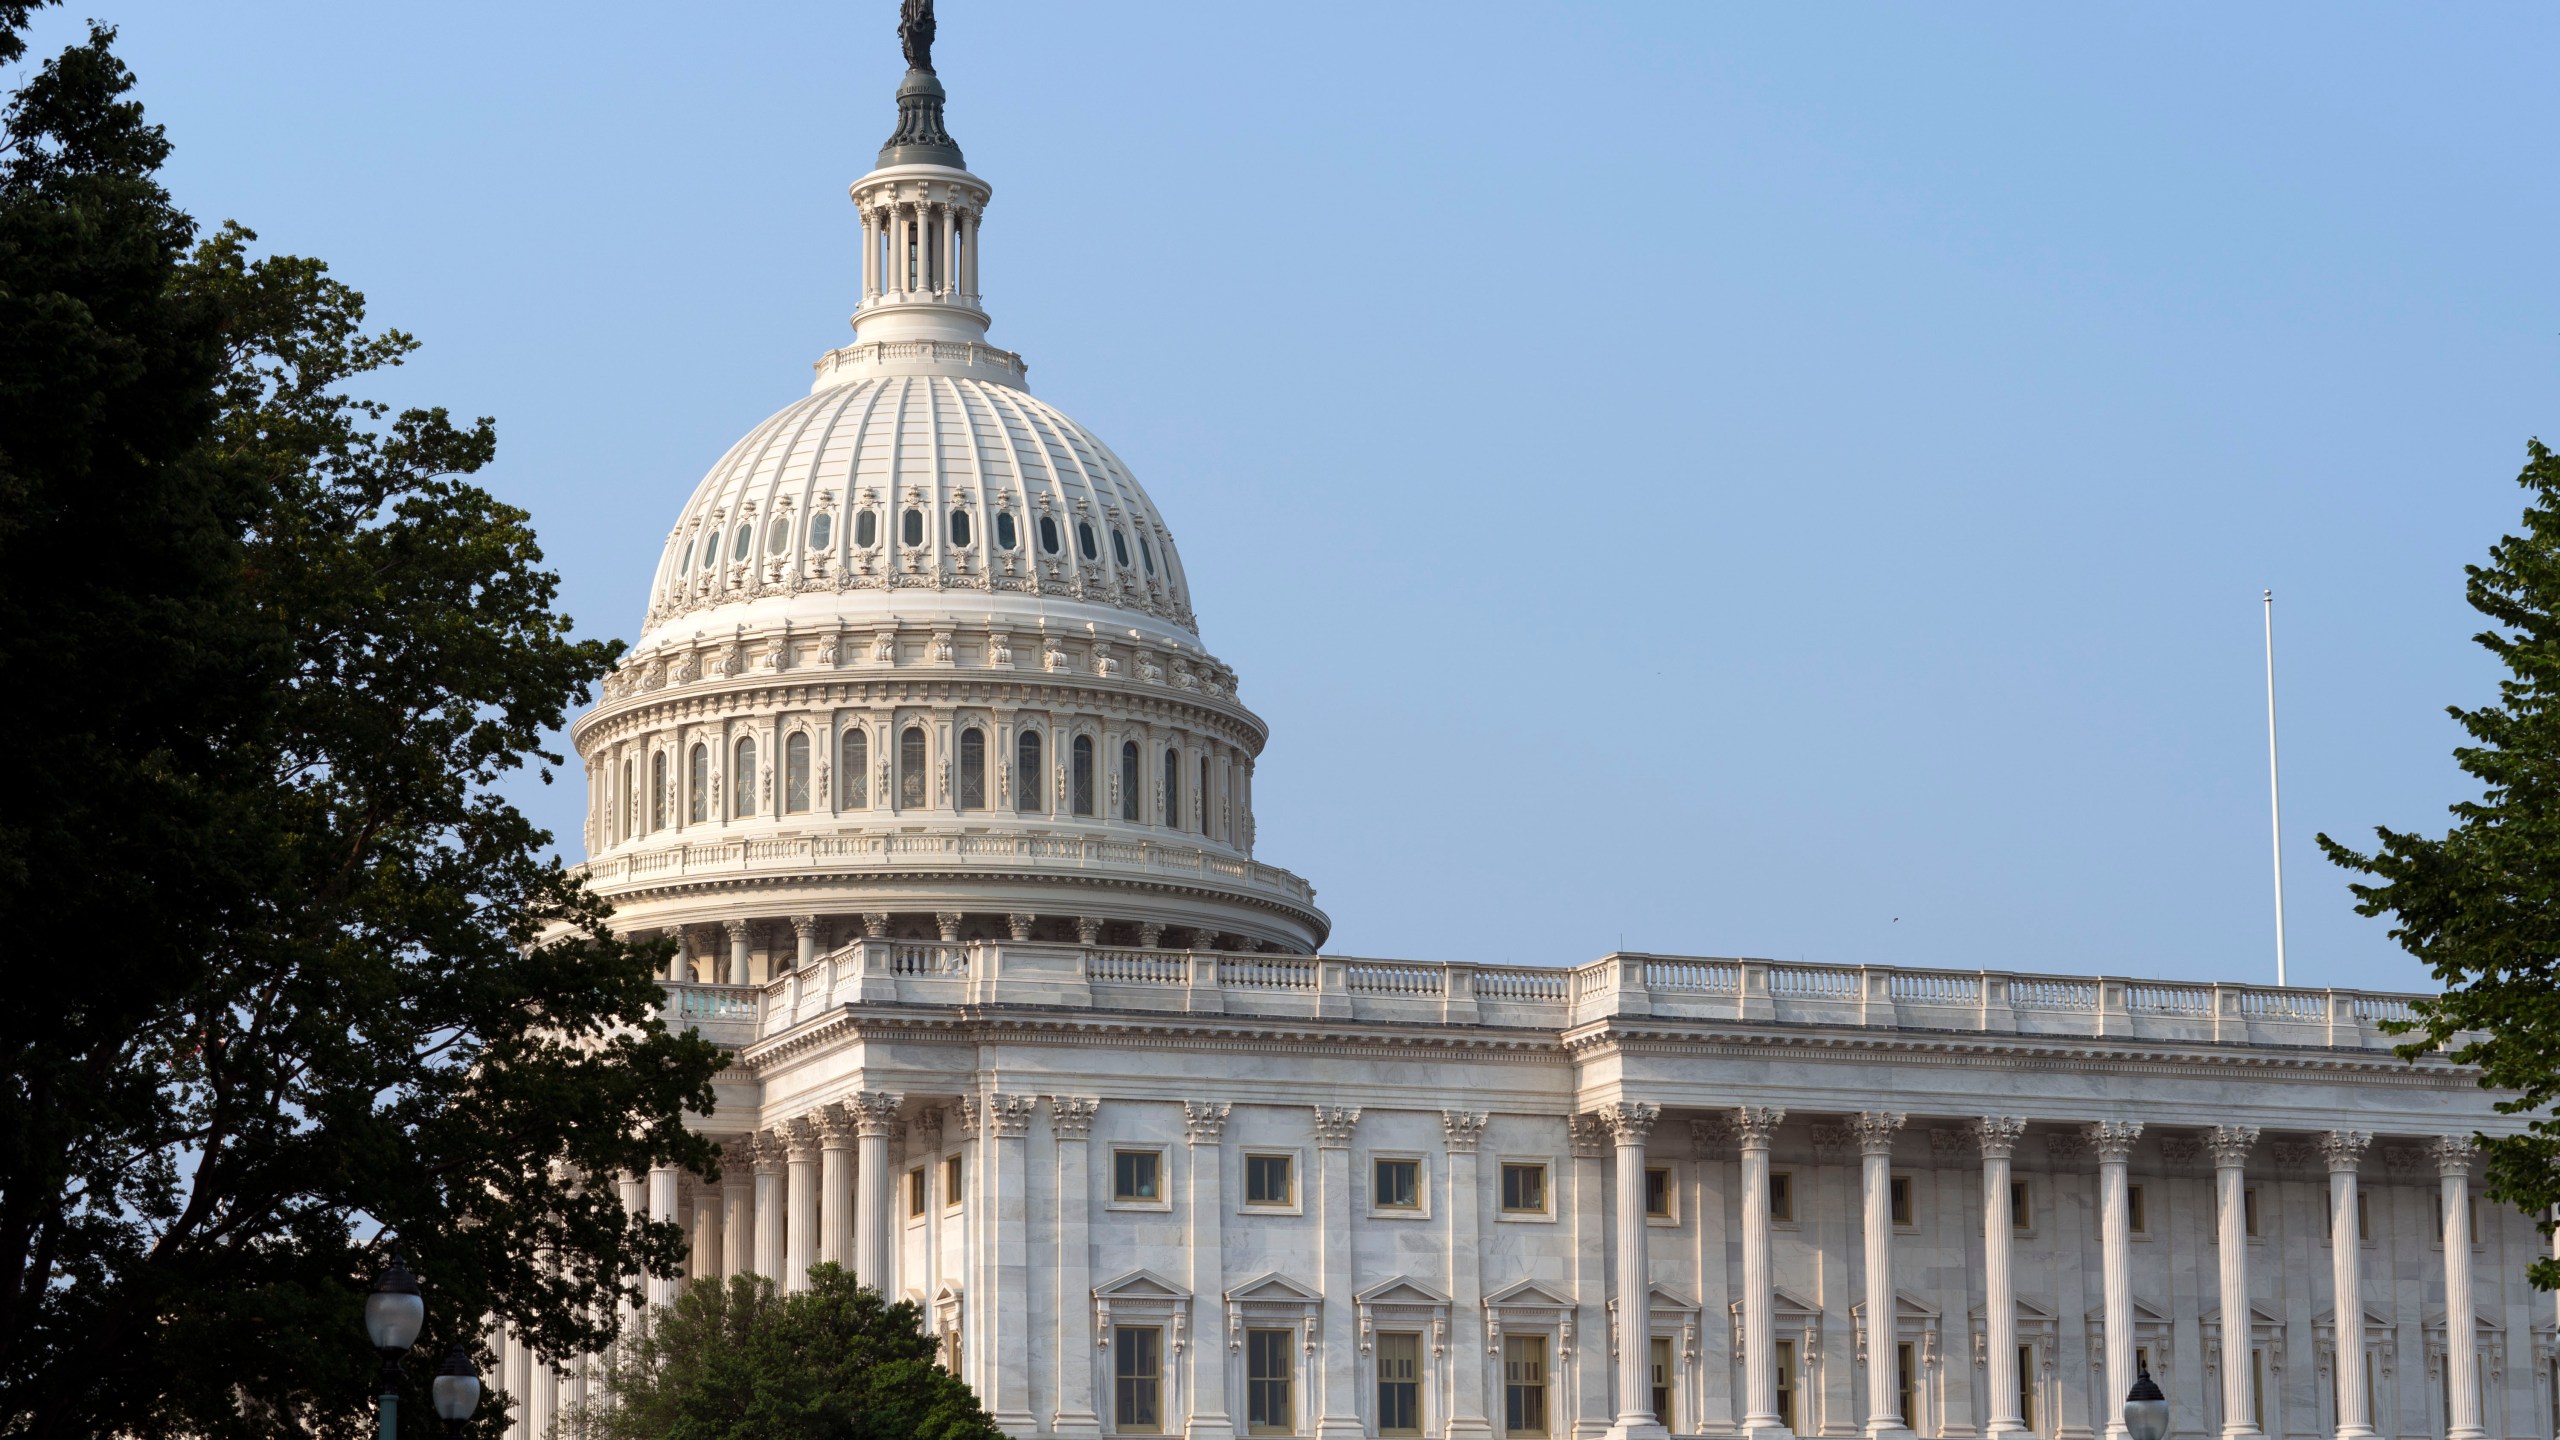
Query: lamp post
457, 1391
2146, 1410
393, 1313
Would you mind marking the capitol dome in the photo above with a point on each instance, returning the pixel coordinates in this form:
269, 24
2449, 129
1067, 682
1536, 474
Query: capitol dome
919, 661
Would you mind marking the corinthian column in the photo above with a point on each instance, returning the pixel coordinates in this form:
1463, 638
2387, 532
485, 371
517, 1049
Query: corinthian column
875, 1119
664, 1181
1753, 1125
2461, 1320
1204, 1123
737, 1205
800, 1238
2231, 1145
1875, 1129
2345, 1151
1007, 1317
2113, 1140
835, 1187
1998, 1135
1071, 1121
1462, 1129
1630, 1122
1339, 1419
770, 1159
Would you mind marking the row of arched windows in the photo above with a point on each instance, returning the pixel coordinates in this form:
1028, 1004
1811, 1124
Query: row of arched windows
704, 553
969, 790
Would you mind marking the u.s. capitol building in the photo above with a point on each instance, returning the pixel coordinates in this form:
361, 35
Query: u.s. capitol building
923, 760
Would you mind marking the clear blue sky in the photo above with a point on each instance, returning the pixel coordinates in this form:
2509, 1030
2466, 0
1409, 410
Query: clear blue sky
1791, 480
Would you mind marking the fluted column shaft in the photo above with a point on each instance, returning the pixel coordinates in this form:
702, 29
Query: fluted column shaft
1339, 1418
2231, 1145
800, 1234
1205, 1126
663, 1198
2113, 1141
875, 1218
1008, 1232
835, 1188
770, 1238
1071, 1121
2345, 1149
2461, 1317
1998, 1136
1753, 1127
703, 1261
1630, 1123
1875, 1130
737, 1207
1462, 1130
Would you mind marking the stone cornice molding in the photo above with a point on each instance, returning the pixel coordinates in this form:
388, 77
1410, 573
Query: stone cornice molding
875, 684
2113, 1139
2231, 1145
1630, 1122
875, 878
1997, 1135
1754, 1125
2454, 1154
1205, 1121
1071, 1116
2344, 1149
1875, 1129
1462, 1129
1334, 1124
974, 1024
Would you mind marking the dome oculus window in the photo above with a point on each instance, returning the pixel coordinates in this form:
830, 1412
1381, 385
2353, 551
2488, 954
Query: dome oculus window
1120, 549
1005, 537
866, 529
777, 535
822, 530
911, 529
746, 542
960, 529
1049, 534
1147, 553
1085, 542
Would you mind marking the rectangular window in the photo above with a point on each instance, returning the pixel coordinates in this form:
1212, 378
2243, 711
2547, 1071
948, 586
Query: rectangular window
1267, 1371
1905, 1381
2137, 1218
1524, 1189
1136, 1175
1782, 1197
2364, 1230
1786, 1358
2249, 1211
1657, 1192
2027, 1387
2022, 1210
2257, 1390
1399, 1384
915, 1191
951, 1180
1658, 1378
1270, 1180
1137, 1379
1524, 1384
1396, 1184
1898, 1199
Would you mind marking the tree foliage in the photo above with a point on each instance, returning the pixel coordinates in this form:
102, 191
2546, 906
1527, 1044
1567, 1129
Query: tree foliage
736, 1361
2480, 905
294, 983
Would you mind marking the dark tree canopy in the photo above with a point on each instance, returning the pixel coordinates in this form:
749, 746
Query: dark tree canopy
2481, 904
736, 1361
293, 982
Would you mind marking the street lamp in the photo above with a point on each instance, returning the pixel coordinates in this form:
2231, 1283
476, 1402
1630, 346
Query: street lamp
457, 1390
393, 1314
2146, 1410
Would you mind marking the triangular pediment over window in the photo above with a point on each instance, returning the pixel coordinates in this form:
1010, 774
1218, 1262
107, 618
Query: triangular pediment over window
1140, 1285
1528, 1292
1271, 1285
1401, 1290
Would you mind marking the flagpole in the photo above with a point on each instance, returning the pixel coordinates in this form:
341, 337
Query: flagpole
2275, 796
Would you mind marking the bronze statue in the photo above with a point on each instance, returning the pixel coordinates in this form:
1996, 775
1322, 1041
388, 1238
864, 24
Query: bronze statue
915, 33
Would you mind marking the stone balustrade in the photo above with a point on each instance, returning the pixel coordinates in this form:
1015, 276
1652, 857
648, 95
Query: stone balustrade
1620, 986
869, 851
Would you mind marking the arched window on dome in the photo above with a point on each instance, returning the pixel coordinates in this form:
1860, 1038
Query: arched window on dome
1147, 553
1119, 548
960, 529
697, 801
855, 785
1026, 772
1085, 542
746, 541
1200, 794
658, 790
795, 774
1080, 775
777, 536
1172, 788
866, 529
1129, 801
622, 807
1049, 534
822, 530
911, 768
1006, 537
911, 529
742, 781
973, 769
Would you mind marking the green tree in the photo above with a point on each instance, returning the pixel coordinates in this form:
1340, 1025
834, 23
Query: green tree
2481, 904
736, 1361
294, 983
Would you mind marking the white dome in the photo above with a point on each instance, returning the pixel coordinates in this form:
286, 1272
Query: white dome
862, 499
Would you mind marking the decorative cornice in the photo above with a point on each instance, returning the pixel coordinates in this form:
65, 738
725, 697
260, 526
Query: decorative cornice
1071, 1116
1875, 1130
2113, 1139
2344, 1149
1997, 1135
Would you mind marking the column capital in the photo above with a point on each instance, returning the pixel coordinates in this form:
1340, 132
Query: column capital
1018, 924
1089, 929
1071, 1116
1589, 1135
1754, 1125
737, 930
1205, 1121
1009, 1116
2231, 1144
800, 1137
804, 925
875, 1112
1334, 1124
1875, 1130
2344, 1149
1997, 1134
1630, 1121
1462, 1129
968, 1111
926, 1134
767, 1150
2454, 1154
836, 1127
875, 924
2113, 1139
948, 923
